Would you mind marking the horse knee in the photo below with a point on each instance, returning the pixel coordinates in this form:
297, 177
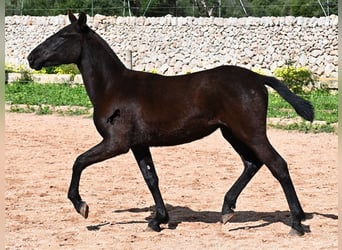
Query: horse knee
79, 164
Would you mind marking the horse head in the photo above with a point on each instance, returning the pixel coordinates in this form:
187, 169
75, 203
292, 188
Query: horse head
64, 47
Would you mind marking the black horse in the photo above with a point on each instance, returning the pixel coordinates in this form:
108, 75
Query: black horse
135, 110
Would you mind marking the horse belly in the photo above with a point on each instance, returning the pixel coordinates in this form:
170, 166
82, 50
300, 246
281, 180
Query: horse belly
179, 135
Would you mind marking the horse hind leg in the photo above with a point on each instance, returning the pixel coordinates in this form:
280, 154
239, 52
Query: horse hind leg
251, 167
278, 167
253, 157
145, 162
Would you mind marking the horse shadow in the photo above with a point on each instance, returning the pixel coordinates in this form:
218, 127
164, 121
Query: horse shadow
179, 214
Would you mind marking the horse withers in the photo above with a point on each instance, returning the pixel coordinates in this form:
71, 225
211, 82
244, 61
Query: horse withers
137, 110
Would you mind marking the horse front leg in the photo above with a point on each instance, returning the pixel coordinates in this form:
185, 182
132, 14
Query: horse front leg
100, 152
145, 162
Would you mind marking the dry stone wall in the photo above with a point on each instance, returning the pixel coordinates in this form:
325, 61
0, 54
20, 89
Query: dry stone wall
177, 45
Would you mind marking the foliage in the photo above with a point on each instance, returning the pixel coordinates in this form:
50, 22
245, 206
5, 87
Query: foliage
57, 7
71, 69
43, 110
298, 79
50, 94
326, 112
11, 68
16, 109
61, 69
154, 71
26, 75
225, 8
325, 104
290, 8
306, 127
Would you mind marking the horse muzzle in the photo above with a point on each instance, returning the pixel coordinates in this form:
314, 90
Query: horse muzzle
34, 62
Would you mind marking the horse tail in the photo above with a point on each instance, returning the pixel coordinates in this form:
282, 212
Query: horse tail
303, 107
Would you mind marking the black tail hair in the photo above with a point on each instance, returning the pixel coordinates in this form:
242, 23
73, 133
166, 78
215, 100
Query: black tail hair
303, 107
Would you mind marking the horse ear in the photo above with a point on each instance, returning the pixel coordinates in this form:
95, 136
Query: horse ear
72, 18
82, 19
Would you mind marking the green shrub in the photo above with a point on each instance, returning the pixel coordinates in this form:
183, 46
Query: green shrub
10, 68
47, 94
298, 79
61, 69
26, 74
154, 71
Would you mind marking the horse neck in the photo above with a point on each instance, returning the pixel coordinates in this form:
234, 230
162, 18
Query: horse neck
100, 67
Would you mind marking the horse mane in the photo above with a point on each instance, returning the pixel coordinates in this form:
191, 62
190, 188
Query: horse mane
108, 49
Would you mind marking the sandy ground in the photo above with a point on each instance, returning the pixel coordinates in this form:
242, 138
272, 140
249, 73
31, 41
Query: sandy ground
40, 151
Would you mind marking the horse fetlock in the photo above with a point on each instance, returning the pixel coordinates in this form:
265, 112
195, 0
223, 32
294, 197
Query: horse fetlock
297, 217
164, 219
228, 206
154, 224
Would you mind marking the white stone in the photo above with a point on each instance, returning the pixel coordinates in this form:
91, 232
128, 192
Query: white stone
163, 68
78, 79
302, 60
46, 78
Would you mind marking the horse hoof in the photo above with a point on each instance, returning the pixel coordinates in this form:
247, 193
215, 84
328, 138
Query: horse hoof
150, 229
227, 217
84, 210
294, 232
154, 227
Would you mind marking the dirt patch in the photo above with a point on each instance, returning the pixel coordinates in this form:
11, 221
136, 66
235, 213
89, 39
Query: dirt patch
40, 151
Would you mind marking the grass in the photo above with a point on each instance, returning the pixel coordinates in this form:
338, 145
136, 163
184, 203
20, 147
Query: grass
326, 112
47, 94
325, 105
48, 98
